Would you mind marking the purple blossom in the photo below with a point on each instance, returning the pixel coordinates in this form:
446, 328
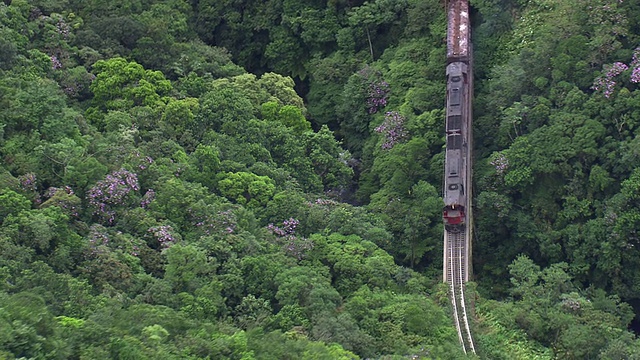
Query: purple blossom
55, 63
164, 235
377, 89
393, 129
63, 28
288, 227
222, 222
147, 198
635, 65
98, 235
142, 162
606, 83
145, 162
501, 163
323, 202
635, 74
113, 191
64, 200
102, 241
98, 239
51, 192
28, 181
298, 247
54, 190
292, 244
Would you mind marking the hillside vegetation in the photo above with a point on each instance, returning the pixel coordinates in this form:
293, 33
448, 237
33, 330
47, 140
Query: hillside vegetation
218, 179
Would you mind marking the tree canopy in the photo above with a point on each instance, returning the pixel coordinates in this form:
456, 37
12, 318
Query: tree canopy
261, 179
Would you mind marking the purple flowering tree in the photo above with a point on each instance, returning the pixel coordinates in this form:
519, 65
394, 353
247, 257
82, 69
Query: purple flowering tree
55, 63
215, 223
393, 129
635, 66
56, 30
28, 182
377, 89
102, 241
64, 198
147, 198
98, 239
138, 160
62, 28
115, 190
606, 82
500, 162
292, 244
164, 234
322, 202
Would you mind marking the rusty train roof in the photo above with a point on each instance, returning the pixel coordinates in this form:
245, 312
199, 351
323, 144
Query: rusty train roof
458, 37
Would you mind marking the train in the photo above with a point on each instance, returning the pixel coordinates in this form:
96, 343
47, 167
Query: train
458, 117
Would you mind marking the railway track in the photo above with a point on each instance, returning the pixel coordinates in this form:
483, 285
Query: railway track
456, 274
457, 212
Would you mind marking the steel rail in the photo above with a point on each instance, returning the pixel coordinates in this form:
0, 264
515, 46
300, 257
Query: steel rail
465, 318
451, 279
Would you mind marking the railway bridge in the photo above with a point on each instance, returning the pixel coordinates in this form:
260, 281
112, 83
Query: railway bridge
457, 213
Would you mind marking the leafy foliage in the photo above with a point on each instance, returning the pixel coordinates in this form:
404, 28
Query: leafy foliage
159, 201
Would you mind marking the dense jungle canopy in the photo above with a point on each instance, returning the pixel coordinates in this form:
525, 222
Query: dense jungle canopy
244, 179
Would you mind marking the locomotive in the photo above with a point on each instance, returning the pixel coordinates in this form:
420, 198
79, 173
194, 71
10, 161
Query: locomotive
458, 117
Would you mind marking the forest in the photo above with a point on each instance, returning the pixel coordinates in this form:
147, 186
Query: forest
244, 179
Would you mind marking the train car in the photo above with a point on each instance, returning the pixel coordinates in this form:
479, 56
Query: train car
458, 32
455, 200
453, 213
457, 117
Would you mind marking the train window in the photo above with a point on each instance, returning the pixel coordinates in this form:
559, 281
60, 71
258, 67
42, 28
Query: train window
461, 189
454, 122
454, 96
456, 79
453, 186
453, 167
454, 141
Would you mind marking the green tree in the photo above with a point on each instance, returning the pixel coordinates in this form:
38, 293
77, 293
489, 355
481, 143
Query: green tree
12, 203
42, 229
288, 115
329, 160
165, 24
206, 164
179, 115
122, 84
29, 329
354, 262
247, 188
375, 17
551, 311
309, 288
188, 268
224, 110
175, 196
